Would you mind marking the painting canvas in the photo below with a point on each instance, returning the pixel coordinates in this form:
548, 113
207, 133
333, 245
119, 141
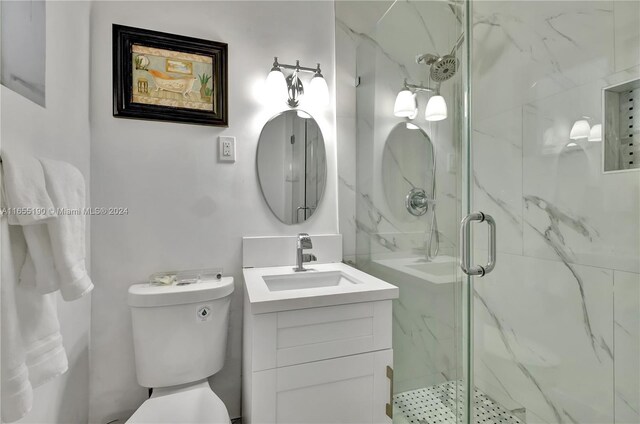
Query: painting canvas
169, 77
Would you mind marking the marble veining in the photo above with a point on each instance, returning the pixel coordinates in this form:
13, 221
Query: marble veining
499, 202
554, 238
365, 37
525, 371
552, 330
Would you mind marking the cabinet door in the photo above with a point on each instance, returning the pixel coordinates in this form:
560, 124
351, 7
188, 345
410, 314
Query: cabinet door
351, 389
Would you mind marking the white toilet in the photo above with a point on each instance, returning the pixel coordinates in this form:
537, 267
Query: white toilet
180, 339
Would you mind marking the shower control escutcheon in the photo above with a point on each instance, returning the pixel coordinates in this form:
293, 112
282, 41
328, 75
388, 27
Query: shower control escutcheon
417, 202
465, 247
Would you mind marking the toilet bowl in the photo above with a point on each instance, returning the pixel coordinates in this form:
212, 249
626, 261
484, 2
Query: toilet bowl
180, 339
187, 404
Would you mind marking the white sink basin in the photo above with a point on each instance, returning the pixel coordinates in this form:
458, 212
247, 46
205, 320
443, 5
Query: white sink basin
272, 289
307, 280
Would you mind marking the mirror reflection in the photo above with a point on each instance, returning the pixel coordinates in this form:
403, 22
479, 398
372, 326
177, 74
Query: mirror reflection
292, 165
408, 163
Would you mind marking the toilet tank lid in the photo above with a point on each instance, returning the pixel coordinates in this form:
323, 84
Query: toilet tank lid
150, 295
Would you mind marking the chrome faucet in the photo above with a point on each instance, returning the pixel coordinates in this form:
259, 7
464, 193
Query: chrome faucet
304, 242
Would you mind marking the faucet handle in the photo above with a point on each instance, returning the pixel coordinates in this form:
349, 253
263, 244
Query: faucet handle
304, 241
309, 257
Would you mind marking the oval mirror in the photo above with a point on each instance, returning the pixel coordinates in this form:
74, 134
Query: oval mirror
408, 162
292, 165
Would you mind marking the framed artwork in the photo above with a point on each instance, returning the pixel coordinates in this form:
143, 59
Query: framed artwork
168, 77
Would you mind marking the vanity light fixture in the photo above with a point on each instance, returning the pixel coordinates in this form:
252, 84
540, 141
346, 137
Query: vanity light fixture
580, 129
406, 103
291, 89
436, 109
276, 83
318, 89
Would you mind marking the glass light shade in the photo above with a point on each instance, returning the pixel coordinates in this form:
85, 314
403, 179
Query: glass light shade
405, 106
580, 129
318, 91
436, 109
302, 114
276, 86
411, 126
596, 133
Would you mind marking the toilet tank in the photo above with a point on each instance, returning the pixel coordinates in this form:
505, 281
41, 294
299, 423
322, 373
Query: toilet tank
179, 331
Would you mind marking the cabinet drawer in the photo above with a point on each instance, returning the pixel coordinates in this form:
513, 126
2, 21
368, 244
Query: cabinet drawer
306, 335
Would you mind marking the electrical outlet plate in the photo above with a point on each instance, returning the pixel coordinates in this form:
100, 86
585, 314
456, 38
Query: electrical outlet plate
226, 149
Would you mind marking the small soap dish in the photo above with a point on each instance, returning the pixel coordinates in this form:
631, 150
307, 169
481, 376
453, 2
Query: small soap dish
182, 278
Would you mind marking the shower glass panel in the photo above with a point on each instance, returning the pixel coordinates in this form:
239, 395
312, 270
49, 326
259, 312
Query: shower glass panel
552, 334
556, 331
411, 242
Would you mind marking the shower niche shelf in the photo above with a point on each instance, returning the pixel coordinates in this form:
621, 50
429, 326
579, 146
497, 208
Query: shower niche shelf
621, 146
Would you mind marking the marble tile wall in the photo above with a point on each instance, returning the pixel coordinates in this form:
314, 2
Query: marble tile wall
372, 217
556, 323
373, 50
557, 333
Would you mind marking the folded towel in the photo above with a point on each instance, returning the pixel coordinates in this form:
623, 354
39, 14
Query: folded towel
32, 350
17, 394
39, 264
66, 188
25, 187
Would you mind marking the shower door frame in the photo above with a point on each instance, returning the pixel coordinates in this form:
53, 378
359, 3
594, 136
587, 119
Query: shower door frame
466, 292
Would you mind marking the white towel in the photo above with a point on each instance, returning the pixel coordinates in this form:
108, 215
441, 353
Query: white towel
45, 247
32, 350
17, 394
25, 188
66, 188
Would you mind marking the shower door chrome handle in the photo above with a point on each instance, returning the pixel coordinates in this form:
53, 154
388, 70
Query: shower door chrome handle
465, 247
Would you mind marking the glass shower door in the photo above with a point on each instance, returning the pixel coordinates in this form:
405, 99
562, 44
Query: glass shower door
407, 192
554, 329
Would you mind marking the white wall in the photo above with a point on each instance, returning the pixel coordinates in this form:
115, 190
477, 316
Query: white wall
186, 210
61, 131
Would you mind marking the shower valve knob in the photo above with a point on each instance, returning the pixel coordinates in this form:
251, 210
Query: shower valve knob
417, 202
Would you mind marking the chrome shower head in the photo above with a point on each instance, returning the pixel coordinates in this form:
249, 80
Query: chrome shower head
444, 68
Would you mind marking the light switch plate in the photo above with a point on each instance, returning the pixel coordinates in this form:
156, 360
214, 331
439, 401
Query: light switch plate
226, 149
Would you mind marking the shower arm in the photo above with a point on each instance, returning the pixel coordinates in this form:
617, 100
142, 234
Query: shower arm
430, 58
457, 45
418, 87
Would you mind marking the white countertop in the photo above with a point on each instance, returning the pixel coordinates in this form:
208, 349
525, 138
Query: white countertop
262, 300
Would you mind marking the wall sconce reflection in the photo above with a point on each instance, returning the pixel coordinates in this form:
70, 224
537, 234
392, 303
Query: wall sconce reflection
581, 129
406, 104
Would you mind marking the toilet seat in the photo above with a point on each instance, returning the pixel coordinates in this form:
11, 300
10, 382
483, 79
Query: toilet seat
193, 403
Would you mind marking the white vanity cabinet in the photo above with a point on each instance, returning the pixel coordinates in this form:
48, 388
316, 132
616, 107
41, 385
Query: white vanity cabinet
330, 364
